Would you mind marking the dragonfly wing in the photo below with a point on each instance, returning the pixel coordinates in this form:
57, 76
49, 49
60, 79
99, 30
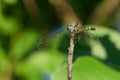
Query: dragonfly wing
92, 40
82, 38
86, 38
55, 33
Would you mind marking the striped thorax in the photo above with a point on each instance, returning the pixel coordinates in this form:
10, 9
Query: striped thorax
77, 28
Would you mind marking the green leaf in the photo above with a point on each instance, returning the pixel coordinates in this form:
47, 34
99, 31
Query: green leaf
8, 25
40, 63
107, 38
23, 42
87, 68
4, 62
10, 2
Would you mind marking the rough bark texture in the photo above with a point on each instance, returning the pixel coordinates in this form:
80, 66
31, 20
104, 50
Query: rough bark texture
70, 55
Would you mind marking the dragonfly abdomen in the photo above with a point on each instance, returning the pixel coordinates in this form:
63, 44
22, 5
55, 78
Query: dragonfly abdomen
89, 28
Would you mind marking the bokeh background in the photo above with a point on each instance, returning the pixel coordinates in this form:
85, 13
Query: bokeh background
24, 22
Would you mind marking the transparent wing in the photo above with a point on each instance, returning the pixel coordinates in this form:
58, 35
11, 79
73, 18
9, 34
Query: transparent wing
86, 37
56, 33
82, 38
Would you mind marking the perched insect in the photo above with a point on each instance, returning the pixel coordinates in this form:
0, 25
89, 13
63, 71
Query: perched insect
78, 28
82, 36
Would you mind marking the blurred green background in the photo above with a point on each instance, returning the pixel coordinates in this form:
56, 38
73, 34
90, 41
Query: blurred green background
24, 22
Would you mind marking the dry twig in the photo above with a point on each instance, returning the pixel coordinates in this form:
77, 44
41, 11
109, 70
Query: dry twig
70, 56
70, 52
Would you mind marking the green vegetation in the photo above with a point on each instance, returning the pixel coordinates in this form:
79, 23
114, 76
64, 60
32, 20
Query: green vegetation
20, 32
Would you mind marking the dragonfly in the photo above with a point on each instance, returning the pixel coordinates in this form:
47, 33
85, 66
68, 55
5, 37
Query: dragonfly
81, 32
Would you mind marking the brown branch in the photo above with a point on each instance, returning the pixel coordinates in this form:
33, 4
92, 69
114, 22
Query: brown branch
33, 10
65, 11
70, 55
70, 52
103, 11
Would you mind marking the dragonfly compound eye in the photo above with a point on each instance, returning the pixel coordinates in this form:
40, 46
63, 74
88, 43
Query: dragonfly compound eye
72, 27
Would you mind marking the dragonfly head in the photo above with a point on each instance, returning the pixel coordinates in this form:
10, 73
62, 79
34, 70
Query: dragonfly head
72, 27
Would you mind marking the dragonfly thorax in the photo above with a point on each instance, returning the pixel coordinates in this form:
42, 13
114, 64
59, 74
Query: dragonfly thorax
77, 28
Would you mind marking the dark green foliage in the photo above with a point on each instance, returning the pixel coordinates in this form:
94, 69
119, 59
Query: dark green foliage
19, 36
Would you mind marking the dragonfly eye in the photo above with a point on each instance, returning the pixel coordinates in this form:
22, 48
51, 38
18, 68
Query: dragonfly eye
72, 25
